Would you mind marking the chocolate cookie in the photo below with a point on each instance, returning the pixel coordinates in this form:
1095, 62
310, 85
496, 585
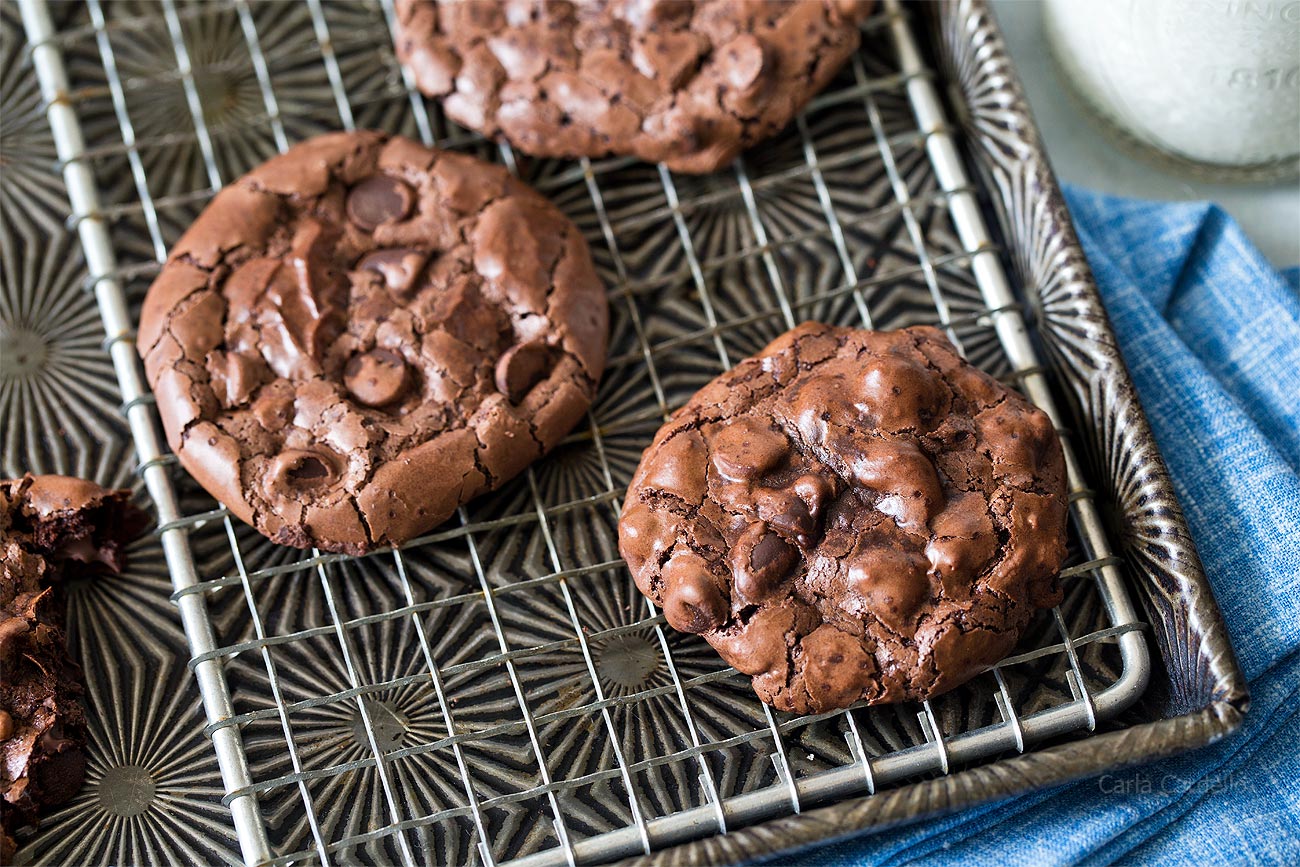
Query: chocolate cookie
689, 84
51, 528
363, 333
851, 516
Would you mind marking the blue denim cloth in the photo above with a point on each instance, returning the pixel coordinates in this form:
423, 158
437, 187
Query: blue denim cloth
1211, 334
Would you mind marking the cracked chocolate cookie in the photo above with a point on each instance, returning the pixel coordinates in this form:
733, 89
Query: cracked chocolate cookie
689, 84
851, 516
363, 333
52, 528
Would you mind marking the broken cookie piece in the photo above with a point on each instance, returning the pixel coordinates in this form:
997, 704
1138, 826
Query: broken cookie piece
851, 516
51, 528
364, 333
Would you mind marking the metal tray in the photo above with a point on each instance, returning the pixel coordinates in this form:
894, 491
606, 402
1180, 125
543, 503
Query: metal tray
498, 691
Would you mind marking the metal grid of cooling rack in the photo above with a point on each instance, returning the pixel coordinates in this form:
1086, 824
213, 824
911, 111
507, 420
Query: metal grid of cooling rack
877, 753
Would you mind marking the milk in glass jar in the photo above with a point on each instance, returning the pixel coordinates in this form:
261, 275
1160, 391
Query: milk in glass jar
1211, 85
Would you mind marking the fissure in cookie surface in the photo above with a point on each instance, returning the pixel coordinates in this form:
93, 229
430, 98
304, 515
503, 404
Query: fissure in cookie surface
851, 516
363, 333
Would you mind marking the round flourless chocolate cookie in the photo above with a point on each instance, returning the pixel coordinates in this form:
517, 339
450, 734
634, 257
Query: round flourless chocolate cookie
363, 333
851, 516
686, 82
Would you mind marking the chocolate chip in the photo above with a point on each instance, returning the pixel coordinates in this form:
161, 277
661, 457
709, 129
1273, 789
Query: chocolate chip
300, 471
787, 514
815, 491
308, 470
236, 375
377, 377
53, 741
760, 560
669, 58
313, 276
694, 616
521, 368
745, 60
399, 266
747, 448
771, 555
893, 583
272, 411
691, 599
377, 200
901, 393
903, 475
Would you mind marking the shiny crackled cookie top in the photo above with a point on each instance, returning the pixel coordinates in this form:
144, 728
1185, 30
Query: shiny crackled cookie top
363, 333
851, 516
686, 82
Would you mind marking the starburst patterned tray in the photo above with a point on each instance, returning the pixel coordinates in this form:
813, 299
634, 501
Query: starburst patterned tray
498, 691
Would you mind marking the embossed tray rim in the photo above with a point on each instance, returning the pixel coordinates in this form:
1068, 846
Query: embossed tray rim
743, 808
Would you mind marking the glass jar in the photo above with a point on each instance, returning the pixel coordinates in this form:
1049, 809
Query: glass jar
1211, 86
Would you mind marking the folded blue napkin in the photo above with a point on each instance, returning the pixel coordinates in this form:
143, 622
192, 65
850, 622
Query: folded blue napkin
1211, 334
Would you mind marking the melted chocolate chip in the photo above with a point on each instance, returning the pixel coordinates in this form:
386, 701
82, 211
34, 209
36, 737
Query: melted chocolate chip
746, 60
301, 471
53, 741
272, 411
399, 266
902, 393
787, 514
307, 471
692, 602
747, 448
893, 582
760, 560
377, 378
815, 491
522, 367
771, 556
667, 57
377, 200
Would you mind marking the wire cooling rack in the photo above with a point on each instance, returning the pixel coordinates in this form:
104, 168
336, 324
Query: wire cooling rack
497, 691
